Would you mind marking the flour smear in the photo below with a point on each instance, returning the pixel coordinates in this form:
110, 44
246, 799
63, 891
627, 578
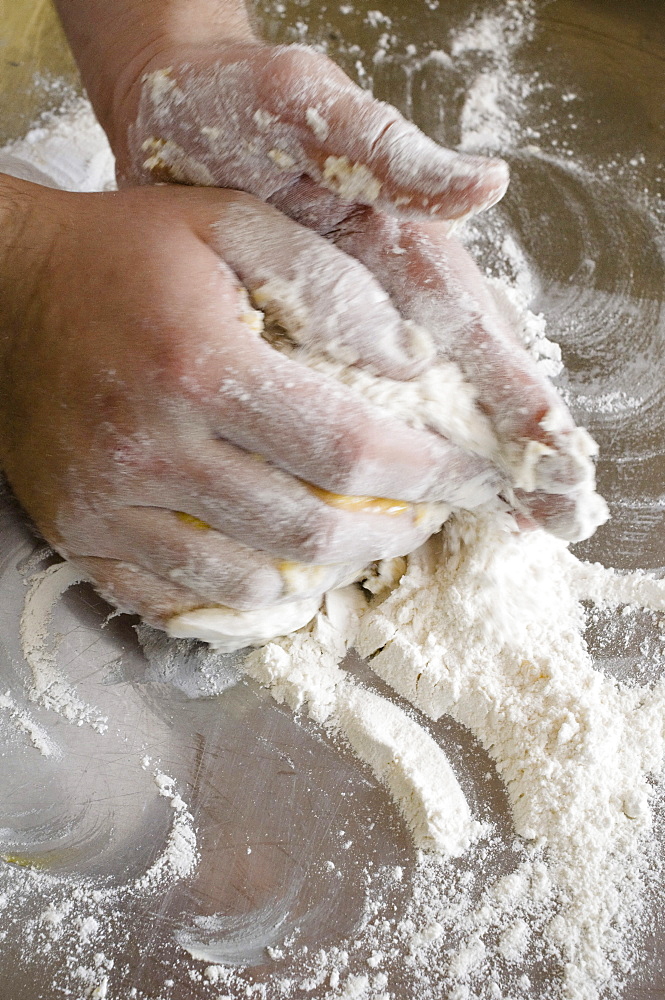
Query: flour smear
483, 625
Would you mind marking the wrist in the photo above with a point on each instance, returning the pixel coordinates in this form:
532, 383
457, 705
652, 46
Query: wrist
18, 206
115, 43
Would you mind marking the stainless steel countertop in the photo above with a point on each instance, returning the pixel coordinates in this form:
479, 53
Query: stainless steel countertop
274, 801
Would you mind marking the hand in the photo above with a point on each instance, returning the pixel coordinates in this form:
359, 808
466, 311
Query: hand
186, 93
432, 280
259, 118
161, 444
289, 126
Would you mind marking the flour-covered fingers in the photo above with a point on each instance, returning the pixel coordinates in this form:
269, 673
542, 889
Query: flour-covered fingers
363, 149
434, 282
540, 443
249, 500
183, 550
255, 117
321, 298
133, 589
573, 516
308, 424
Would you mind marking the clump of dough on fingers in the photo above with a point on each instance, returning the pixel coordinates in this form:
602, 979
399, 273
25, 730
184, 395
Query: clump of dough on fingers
545, 484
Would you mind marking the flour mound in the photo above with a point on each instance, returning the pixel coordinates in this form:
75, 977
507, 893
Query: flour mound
487, 626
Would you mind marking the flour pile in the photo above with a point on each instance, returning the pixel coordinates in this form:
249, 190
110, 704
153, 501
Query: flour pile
488, 626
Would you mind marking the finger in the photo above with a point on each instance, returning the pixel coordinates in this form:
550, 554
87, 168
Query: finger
435, 282
135, 590
362, 149
262, 116
320, 431
572, 517
314, 207
323, 299
260, 506
182, 549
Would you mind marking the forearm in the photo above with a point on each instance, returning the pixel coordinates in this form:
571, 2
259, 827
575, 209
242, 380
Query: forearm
112, 39
17, 209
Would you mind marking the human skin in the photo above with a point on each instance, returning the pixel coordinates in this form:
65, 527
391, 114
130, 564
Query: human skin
159, 442
133, 391
187, 92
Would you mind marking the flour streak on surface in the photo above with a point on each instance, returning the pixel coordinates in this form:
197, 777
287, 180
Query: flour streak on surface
50, 687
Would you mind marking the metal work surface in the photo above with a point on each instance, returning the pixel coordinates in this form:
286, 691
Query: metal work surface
289, 824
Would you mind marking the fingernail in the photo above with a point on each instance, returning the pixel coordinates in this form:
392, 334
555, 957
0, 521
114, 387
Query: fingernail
495, 177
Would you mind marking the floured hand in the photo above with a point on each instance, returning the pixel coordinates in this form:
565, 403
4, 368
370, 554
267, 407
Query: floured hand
287, 125
435, 284
166, 448
259, 118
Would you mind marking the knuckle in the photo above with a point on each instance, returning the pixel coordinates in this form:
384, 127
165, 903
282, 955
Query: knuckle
321, 540
351, 458
293, 62
255, 590
133, 455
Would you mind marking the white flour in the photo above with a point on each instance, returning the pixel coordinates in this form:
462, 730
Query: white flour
50, 688
23, 723
67, 151
487, 626
84, 918
180, 854
482, 625
490, 114
303, 671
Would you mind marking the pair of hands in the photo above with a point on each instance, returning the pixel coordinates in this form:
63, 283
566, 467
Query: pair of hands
155, 438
